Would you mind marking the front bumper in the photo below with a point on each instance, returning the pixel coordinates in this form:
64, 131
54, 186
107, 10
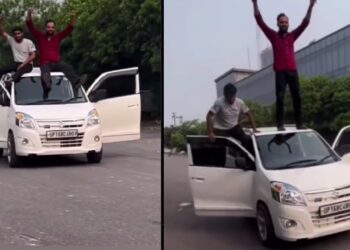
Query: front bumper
39, 145
309, 224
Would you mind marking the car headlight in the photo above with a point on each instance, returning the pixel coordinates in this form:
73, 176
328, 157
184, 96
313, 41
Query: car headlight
287, 194
93, 118
24, 120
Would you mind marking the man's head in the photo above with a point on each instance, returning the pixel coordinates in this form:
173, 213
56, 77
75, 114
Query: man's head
282, 23
17, 33
230, 93
50, 27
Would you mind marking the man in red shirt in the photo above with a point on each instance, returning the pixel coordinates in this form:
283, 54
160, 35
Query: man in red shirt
284, 61
49, 47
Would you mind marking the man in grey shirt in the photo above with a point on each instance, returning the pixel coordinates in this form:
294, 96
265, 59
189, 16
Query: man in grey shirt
223, 117
23, 51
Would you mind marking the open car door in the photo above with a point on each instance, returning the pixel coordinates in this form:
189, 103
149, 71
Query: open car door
221, 175
4, 110
116, 95
341, 144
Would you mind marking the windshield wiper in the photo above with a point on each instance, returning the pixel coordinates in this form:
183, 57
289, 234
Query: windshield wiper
301, 162
71, 99
324, 158
44, 101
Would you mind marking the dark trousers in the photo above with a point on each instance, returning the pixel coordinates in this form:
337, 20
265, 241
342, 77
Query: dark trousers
237, 133
18, 73
292, 79
65, 68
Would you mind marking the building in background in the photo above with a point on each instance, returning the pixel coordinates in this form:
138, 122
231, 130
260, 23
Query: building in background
266, 57
329, 56
234, 75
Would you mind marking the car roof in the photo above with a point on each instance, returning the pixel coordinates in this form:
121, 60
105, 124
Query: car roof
36, 72
273, 130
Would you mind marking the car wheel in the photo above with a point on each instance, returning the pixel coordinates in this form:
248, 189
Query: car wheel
265, 226
94, 157
12, 158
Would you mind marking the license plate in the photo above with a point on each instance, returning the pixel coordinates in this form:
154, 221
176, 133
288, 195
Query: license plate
336, 208
61, 134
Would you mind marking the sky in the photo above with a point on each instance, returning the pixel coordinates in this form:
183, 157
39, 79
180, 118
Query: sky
204, 38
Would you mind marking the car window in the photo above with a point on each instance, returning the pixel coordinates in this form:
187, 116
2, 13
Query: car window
222, 153
29, 91
117, 86
294, 150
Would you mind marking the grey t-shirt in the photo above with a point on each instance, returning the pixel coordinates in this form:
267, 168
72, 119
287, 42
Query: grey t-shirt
225, 115
20, 51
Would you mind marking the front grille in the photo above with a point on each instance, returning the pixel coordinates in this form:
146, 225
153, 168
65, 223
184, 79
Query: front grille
62, 142
331, 195
59, 124
330, 220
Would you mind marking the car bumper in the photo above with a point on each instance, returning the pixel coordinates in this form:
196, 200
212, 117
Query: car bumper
37, 143
309, 225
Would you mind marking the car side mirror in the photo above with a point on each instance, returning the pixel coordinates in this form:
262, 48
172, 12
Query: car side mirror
98, 95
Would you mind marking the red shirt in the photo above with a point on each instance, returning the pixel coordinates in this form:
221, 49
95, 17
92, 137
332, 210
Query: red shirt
283, 46
49, 48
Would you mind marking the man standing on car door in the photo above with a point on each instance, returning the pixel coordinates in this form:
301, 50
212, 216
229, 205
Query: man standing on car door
284, 61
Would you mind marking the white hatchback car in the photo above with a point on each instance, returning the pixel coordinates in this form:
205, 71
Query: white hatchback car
68, 121
294, 183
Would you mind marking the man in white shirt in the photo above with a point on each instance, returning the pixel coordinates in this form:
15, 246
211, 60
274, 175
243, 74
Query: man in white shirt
23, 51
223, 117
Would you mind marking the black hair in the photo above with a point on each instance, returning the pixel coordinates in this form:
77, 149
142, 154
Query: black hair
280, 15
17, 29
230, 90
49, 21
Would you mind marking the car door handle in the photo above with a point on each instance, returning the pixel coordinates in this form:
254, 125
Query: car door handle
132, 105
198, 179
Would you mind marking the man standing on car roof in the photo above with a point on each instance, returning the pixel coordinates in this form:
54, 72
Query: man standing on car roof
49, 47
284, 61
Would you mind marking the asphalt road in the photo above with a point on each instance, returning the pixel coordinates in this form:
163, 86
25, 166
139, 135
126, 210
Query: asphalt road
185, 231
64, 201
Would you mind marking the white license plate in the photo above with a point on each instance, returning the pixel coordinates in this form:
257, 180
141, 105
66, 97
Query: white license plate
336, 208
62, 134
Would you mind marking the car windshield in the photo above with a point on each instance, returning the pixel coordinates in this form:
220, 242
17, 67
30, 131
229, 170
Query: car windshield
29, 91
294, 150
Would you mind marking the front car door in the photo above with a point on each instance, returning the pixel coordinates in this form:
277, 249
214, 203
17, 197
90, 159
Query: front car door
220, 186
341, 144
120, 109
4, 110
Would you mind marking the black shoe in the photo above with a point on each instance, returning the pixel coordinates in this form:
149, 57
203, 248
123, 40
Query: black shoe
81, 81
281, 128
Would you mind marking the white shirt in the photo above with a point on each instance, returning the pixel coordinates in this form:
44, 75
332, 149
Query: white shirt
225, 115
20, 51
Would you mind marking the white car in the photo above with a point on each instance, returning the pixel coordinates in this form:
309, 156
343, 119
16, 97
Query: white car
68, 121
294, 183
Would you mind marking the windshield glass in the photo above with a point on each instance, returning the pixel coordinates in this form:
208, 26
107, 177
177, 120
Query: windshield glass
29, 91
294, 150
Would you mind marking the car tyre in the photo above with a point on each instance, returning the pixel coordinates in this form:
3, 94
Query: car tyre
94, 157
265, 227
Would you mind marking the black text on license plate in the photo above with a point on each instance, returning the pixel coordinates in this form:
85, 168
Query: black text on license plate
336, 208
61, 134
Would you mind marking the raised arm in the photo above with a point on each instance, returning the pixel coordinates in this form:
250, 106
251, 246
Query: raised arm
68, 30
267, 30
30, 24
299, 30
2, 30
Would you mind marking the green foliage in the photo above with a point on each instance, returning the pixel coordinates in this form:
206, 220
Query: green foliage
109, 35
325, 107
